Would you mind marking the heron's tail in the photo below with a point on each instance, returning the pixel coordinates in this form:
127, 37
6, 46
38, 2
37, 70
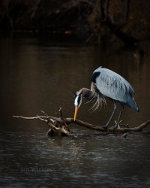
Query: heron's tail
133, 104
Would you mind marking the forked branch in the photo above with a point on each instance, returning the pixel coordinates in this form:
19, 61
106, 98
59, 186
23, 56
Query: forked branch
59, 125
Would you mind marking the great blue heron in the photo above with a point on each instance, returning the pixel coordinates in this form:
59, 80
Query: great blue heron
106, 83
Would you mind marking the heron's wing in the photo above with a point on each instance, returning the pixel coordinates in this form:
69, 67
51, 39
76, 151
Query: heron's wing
113, 85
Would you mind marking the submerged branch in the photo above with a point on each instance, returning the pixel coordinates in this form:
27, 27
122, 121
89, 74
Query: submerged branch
59, 125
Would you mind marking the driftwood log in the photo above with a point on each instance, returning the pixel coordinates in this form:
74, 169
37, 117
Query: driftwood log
60, 125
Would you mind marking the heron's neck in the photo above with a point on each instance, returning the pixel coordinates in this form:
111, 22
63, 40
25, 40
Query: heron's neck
87, 93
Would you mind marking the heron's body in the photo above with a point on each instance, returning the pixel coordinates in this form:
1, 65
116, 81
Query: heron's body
106, 83
114, 86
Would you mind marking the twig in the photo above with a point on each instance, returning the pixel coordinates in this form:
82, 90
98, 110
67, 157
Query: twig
29, 118
61, 117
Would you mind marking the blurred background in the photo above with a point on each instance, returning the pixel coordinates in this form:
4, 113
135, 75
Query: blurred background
48, 50
95, 21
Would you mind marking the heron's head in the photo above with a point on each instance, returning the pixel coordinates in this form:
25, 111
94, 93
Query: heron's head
77, 102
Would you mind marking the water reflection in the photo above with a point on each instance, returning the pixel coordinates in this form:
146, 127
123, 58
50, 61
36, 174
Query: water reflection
39, 75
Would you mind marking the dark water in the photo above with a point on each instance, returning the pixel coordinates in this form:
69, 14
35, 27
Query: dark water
40, 74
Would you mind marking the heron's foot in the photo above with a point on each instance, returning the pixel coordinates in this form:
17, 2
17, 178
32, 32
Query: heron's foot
114, 127
117, 125
124, 125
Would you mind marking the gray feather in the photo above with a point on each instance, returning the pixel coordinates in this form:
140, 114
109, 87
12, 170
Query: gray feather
114, 86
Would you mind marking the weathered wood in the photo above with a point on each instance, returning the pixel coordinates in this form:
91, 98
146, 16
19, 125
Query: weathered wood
109, 130
59, 125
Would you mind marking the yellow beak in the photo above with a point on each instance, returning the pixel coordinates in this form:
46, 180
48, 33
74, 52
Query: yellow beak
75, 113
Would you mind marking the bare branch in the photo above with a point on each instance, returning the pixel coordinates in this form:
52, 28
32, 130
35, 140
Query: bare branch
109, 130
29, 118
59, 125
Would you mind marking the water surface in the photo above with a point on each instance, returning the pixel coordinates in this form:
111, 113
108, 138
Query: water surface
38, 74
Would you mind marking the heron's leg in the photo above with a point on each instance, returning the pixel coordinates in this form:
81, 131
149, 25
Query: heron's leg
117, 123
114, 110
